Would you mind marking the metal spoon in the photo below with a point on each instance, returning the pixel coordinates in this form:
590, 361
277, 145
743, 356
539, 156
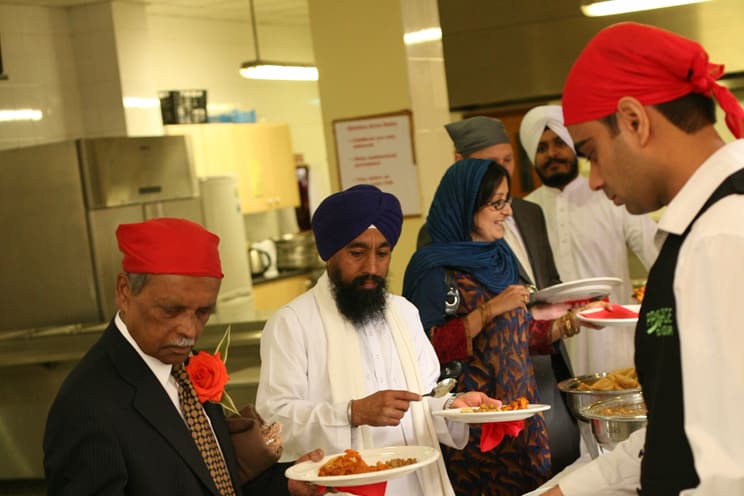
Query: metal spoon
441, 388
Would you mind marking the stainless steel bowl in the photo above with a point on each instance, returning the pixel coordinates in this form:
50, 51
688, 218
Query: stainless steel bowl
579, 399
297, 251
610, 428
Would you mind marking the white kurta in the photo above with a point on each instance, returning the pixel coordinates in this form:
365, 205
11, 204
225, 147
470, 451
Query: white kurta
294, 386
589, 236
706, 280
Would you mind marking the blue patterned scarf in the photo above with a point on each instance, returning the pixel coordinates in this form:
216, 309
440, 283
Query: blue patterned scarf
450, 222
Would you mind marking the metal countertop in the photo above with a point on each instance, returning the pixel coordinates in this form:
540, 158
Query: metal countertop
70, 342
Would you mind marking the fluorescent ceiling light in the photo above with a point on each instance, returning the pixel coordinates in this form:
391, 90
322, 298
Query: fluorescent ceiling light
140, 102
422, 36
612, 7
20, 115
258, 69
278, 71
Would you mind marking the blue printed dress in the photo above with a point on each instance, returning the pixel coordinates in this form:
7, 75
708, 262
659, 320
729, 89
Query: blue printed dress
500, 367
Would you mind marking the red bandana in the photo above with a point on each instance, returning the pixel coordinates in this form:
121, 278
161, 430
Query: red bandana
169, 246
645, 62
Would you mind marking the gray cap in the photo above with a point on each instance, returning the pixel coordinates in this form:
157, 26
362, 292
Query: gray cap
476, 133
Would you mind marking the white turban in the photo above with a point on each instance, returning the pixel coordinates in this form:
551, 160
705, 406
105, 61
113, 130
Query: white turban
534, 123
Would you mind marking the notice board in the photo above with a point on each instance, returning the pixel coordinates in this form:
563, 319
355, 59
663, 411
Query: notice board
378, 150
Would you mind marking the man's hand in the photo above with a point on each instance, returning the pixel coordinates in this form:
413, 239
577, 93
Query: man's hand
587, 306
382, 408
474, 399
553, 491
299, 488
548, 311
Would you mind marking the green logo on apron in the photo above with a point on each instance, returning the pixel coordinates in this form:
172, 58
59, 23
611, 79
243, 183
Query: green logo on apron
659, 322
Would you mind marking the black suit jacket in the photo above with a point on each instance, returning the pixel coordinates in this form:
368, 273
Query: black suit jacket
112, 430
531, 224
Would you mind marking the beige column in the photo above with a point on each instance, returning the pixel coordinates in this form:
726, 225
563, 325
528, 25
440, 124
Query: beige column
111, 45
365, 69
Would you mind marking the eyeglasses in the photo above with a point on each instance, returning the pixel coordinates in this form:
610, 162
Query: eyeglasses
499, 204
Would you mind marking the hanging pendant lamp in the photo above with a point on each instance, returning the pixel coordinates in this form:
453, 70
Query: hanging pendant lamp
601, 8
261, 69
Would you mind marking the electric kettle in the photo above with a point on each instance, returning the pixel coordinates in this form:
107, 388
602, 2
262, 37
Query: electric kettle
259, 261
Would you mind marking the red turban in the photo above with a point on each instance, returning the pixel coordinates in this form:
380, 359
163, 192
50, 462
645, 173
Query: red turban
169, 246
645, 62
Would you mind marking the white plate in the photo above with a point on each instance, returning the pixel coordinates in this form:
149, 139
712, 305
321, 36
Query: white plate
582, 289
458, 415
308, 471
586, 316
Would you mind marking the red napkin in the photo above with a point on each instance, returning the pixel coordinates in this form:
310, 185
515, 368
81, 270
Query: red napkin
377, 489
614, 312
492, 433
578, 303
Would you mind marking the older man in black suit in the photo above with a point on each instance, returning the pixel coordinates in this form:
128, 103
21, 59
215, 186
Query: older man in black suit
119, 423
527, 236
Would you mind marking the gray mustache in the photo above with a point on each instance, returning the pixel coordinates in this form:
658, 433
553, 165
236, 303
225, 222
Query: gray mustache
184, 342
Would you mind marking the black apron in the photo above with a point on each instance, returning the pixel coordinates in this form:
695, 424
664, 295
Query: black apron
667, 466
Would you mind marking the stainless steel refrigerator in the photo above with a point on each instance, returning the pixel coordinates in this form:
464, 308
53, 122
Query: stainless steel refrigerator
60, 204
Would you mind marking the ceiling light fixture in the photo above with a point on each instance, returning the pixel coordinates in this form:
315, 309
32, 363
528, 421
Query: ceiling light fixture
612, 7
422, 36
260, 69
7, 115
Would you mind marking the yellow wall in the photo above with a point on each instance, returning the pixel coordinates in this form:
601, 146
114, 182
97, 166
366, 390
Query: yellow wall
363, 71
366, 69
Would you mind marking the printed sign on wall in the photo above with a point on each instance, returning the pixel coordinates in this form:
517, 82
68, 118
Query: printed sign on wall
378, 150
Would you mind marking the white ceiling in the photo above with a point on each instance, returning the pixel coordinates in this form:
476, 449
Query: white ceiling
276, 12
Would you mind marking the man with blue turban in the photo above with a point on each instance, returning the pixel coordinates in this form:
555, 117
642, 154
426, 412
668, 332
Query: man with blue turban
344, 365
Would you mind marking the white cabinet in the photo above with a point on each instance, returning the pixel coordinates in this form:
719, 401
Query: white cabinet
259, 154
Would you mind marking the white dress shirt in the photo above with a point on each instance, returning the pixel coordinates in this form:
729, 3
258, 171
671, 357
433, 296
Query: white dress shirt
589, 236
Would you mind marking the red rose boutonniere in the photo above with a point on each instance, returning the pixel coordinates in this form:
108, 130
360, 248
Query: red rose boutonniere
208, 374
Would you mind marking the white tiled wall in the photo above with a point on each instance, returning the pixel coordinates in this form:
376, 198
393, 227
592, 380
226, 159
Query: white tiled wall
38, 59
76, 65
202, 54
135, 70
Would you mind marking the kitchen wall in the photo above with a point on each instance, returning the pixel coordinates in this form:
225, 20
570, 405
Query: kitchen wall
77, 65
39, 60
193, 53
524, 50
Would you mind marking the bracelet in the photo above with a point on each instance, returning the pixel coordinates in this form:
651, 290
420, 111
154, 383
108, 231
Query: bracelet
450, 400
348, 413
567, 325
484, 316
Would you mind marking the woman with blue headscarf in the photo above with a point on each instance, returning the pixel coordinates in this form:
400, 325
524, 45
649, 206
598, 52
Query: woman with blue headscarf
483, 320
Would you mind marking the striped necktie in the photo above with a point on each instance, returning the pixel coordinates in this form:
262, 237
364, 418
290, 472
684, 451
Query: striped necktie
201, 432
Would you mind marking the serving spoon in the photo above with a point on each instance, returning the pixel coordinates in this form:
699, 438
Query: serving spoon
441, 388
